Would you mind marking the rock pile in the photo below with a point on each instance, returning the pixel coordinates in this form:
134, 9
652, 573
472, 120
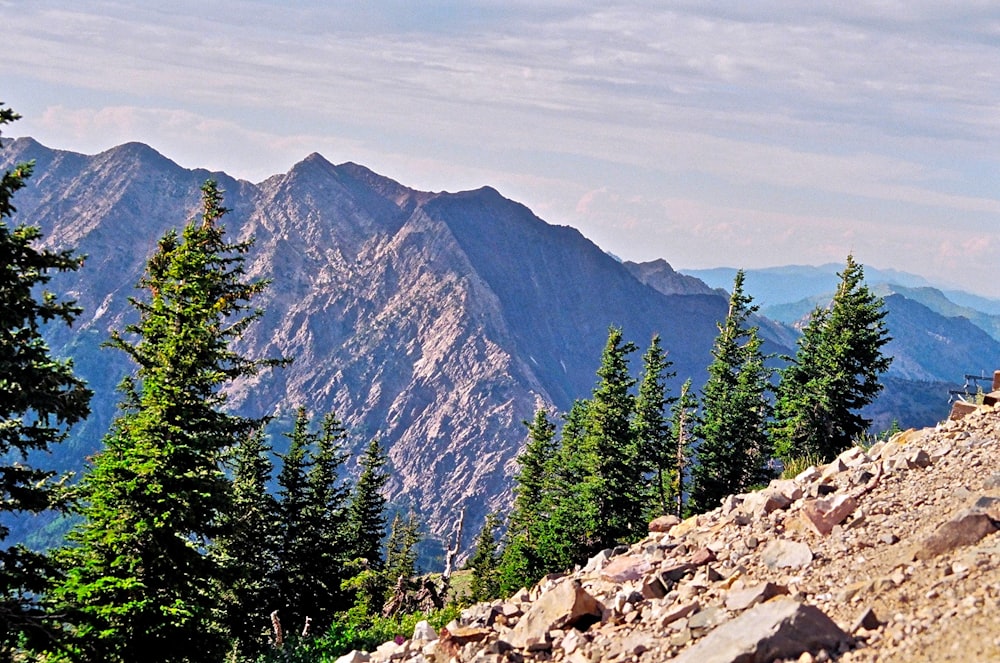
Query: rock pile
886, 554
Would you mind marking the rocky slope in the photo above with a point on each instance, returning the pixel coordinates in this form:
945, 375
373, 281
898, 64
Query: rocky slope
887, 554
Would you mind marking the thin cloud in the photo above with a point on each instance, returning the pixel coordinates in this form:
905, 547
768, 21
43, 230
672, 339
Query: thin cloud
863, 113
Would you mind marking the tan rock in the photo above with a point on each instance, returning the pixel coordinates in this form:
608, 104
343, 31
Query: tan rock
822, 515
664, 523
564, 605
742, 599
625, 568
965, 529
782, 553
782, 628
684, 527
677, 612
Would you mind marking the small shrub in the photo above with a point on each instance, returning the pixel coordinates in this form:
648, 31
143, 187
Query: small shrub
795, 466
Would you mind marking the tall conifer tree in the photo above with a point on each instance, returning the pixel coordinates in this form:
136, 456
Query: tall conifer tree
835, 372
652, 426
366, 518
40, 399
615, 482
733, 445
247, 549
295, 539
138, 580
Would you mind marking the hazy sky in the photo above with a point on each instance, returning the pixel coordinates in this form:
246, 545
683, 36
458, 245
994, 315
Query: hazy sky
706, 133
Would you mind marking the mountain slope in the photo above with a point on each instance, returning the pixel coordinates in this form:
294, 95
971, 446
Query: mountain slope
435, 321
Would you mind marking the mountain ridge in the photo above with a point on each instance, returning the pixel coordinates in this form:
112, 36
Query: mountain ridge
435, 321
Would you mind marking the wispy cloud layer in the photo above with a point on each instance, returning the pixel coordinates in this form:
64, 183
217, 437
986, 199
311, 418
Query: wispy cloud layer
699, 132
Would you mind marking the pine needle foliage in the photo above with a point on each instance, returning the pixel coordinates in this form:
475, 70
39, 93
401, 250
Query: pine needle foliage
835, 372
139, 584
733, 446
40, 399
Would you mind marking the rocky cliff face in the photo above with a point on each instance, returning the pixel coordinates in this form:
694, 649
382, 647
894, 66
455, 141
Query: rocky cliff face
435, 321
890, 553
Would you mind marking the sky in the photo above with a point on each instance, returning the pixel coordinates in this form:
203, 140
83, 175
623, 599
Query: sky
706, 133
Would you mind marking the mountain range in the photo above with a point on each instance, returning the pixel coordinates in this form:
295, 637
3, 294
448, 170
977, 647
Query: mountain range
435, 321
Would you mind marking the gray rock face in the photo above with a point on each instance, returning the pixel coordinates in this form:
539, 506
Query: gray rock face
780, 628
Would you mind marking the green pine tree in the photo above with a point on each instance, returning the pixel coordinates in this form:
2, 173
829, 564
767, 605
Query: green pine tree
293, 573
40, 399
651, 426
834, 374
366, 520
733, 445
484, 563
247, 549
616, 483
567, 535
326, 514
138, 583
520, 562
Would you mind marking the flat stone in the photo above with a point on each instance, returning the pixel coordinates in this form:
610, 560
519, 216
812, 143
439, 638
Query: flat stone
965, 529
959, 409
706, 619
456, 634
676, 572
781, 628
783, 553
625, 568
765, 502
678, 612
664, 523
808, 475
741, 599
833, 469
822, 515
788, 487
563, 606
853, 457
702, 556
685, 526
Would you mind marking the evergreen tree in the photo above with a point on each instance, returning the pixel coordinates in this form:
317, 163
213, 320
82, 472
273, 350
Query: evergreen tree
40, 399
293, 574
312, 524
138, 582
401, 561
616, 483
532, 479
651, 426
567, 533
520, 561
366, 519
834, 374
733, 445
683, 423
247, 549
484, 563
326, 514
